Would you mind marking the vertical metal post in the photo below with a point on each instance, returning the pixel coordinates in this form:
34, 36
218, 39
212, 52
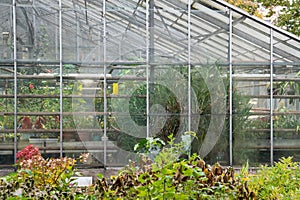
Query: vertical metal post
34, 30
60, 81
189, 67
151, 35
15, 77
147, 68
77, 39
105, 83
230, 89
151, 54
57, 36
271, 98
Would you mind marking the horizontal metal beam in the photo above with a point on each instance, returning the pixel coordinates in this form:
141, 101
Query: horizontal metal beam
37, 96
66, 130
74, 77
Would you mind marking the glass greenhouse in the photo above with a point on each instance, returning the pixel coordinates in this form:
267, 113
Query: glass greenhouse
100, 76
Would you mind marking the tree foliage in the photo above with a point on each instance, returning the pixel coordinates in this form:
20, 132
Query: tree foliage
288, 17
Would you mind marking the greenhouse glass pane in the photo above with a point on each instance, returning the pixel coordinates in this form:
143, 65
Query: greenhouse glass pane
6, 2
286, 49
6, 35
81, 117
210, 48
168, 101
168, 71
6, 65
82, 108
125, 32
210, 83
38, 107
251, 115
6, 111
209, 34
251, 40
6, 129
127, 120
209, 52
37, 32
82, 31
286, 111
169, 33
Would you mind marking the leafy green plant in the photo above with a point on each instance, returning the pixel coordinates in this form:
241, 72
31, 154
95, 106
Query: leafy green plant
8, 137
168, 177
281, 181
37, 105
161, 153
285, 120
183, 179
150, 146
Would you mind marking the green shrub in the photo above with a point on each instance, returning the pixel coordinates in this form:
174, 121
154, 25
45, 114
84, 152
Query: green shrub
167, 177
281, 181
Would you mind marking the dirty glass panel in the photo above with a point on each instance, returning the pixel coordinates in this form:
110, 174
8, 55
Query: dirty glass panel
82, 29
6, 34
209, 34
286, 121
83, 110
125, 50
286, 49
6, 115
251, 40
38, 108
210, 84
209, 55
37, 32
251, 114
6, 85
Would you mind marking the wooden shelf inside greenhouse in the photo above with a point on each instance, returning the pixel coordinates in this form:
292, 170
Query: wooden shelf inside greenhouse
54, 113
68, 147
294, 112
282, 130
274, 96
278, 144
73, 77
266, 79
90, 130
69, 96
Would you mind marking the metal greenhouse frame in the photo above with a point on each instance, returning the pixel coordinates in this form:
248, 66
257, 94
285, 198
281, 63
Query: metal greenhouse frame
100, 76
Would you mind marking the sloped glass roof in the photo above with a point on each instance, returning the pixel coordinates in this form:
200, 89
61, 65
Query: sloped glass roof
126, 30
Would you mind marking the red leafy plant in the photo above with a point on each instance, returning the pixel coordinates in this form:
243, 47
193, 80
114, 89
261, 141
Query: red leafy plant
27, 153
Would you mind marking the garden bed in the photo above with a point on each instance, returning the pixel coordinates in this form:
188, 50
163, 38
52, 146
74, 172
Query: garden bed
164, 177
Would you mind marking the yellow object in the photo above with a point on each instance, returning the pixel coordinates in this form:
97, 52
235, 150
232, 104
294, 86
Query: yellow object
115, 88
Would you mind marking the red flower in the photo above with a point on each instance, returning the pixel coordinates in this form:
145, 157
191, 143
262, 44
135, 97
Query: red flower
31, 86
